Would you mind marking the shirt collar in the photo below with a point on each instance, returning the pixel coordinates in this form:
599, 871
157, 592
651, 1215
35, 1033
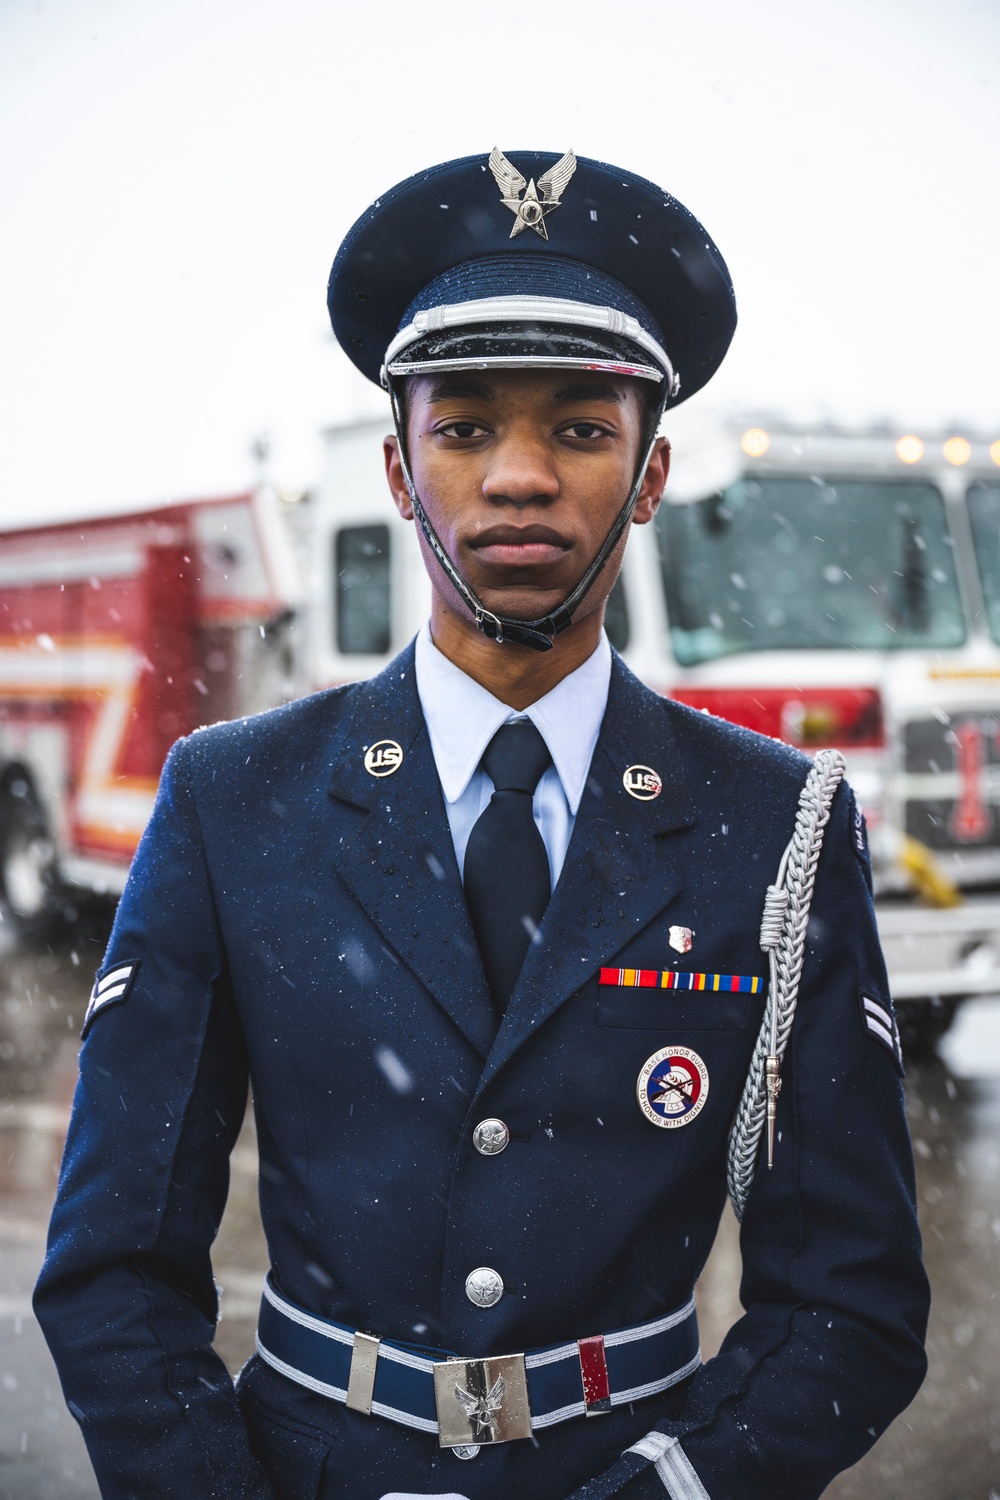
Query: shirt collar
462, 717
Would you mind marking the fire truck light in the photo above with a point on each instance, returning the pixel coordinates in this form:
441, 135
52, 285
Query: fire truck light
957, 451
843, 716
755, 442
909, 449
995, 452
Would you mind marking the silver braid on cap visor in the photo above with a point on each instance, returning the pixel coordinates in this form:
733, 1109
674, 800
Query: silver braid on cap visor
531, 310
538, 633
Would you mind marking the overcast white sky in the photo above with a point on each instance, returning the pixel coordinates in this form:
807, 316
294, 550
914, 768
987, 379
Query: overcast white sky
176, 175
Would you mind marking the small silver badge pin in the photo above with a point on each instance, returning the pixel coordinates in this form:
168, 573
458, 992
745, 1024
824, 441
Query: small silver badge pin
383, 758
642, 783
681, 939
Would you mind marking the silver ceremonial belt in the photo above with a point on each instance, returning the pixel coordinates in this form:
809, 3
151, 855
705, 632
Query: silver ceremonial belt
482, 1400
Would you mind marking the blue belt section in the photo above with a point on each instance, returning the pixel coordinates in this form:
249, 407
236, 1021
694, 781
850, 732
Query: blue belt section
316, 1353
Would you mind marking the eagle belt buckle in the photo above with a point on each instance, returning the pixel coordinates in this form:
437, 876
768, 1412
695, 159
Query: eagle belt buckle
482, 1400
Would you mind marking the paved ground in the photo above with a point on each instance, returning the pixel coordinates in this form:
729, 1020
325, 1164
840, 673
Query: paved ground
946, 1447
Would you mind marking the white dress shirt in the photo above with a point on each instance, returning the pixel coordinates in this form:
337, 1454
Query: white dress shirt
462, 718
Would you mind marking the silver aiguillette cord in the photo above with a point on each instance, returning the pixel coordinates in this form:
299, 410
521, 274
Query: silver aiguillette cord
783, 937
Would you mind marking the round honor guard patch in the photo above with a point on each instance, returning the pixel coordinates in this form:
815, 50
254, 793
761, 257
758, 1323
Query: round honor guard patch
383, 758
672, 1087
642, 783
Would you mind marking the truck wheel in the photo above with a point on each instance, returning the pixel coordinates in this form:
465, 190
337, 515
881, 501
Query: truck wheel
28, 878
922, 1023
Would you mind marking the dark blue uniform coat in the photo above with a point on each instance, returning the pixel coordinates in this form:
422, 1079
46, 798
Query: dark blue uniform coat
299, 922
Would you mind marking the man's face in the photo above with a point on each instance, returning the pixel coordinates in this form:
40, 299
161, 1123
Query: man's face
522, 475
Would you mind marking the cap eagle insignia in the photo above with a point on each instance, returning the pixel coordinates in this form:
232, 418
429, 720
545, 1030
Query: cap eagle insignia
529, 212
483, 1409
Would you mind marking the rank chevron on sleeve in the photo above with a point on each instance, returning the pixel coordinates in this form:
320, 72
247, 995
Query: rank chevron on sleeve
671, 979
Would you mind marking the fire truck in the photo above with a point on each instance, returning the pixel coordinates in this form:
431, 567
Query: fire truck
117, 635
825, 586
843, 588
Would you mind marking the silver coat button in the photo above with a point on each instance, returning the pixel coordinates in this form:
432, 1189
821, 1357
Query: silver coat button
466, 1450
483, 1287
490, 1137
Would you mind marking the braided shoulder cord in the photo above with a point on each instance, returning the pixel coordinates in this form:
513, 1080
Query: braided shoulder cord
783, 937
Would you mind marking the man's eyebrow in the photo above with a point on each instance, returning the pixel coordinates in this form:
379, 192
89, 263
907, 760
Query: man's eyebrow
569, 395
455, 387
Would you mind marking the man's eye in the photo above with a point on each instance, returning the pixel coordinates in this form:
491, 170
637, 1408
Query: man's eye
586, 430
461, 430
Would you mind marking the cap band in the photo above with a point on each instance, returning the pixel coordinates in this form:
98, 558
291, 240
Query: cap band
524, 362
524, 346
528, 310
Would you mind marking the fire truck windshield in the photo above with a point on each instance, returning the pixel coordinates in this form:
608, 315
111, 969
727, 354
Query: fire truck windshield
778, 562
984, 514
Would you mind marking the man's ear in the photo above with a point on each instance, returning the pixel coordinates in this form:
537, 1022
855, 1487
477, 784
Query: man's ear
653, 484
394, 474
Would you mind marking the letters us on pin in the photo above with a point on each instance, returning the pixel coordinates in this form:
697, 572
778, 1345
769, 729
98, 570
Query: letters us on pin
384, 757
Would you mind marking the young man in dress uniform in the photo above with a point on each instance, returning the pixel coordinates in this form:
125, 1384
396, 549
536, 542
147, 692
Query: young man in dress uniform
485, 934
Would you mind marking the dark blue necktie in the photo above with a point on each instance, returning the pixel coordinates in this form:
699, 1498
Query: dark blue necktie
506, 876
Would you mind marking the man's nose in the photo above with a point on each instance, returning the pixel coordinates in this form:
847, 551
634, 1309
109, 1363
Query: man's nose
521, 471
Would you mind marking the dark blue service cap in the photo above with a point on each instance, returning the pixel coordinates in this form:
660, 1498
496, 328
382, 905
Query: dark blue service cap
532, 260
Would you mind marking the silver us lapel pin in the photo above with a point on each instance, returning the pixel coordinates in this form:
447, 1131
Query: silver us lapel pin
642, 783
383, 758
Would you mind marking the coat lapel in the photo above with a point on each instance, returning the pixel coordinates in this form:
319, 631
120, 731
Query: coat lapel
399, 863
618, 873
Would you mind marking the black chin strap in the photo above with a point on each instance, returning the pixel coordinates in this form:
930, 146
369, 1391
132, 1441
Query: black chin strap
538, 634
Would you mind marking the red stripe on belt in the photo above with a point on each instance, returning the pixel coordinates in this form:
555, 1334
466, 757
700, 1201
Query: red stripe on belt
594, 1368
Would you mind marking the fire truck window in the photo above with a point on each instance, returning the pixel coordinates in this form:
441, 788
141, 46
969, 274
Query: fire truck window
616, 616
784, 562
984, 514
361, 583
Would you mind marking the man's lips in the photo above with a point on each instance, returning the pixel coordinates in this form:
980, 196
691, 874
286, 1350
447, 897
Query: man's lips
520, 546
